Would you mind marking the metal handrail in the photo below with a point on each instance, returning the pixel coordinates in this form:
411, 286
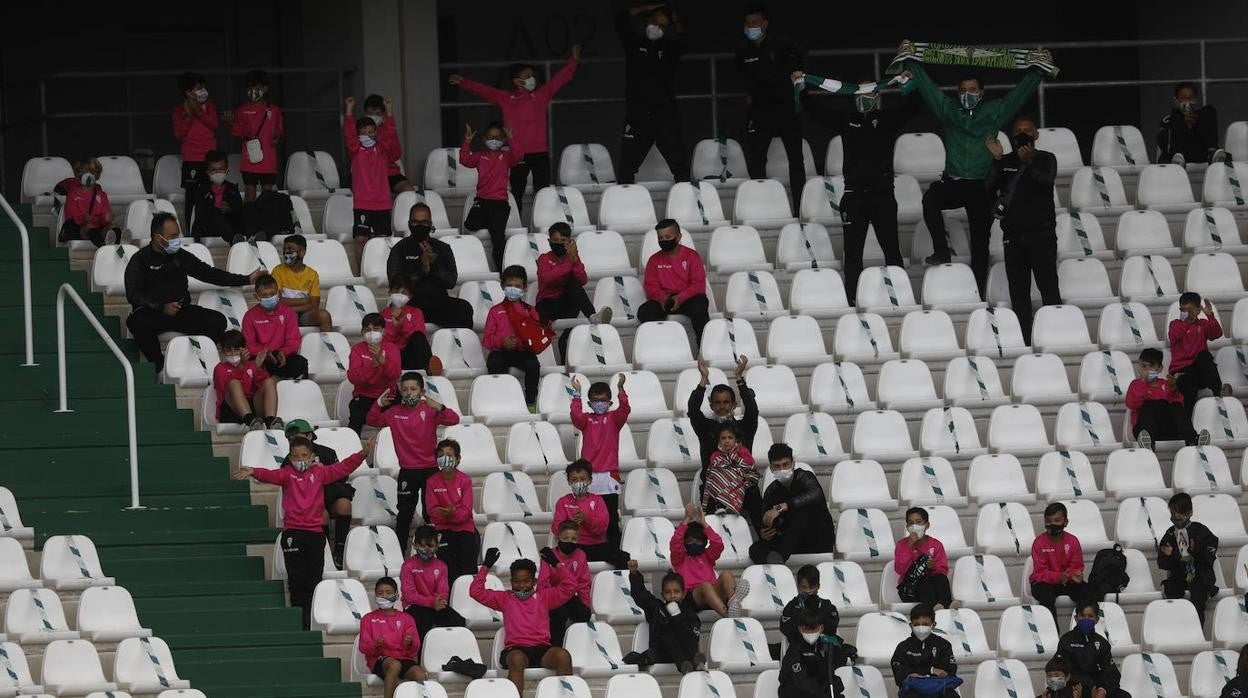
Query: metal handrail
25, 236
61, 293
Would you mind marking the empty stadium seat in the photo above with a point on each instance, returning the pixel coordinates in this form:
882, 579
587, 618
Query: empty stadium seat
338, 605
863, 338
475, 615
626, 208
929, 480
736, 248
511, 496
35, 616
416, 689
951, 288
804, 246
595, 650
1211, 671
561, 686
706, 684
1224, 185
460, 351
1004, 529
637, 686
1220, 512
775, 390
71, 563
1026, 632
498, 688
108, 268
556, 204
480, 454
859, 483
845, 584
41, 175
1002, 677
1171, 626
17, 679
995, 478
1145, 232
819, 293
695, 206
885, 290
1017, 429
445, 175
1098, 190
312, 174
718, 161
964, 630
1084, 283
1202, 469
11, 517
864, 534
921, 155
107, 614
513, 540
762, 203
973, 382
121, 178
1080, 235
771, 588
906, 384
796, 340
820, 202
778, 159
302, 399
1041, 379
1212, 229
1223, 418
1064, 146
1084, 426
647, 540
1165, 187
1230, 623
949, 432
879, 634
1126, 326
739, 645
1066, 474
839, 388
725, 340
72, 668
1215, 276
612, 598
376, 500
981, 582
1121, 147
1105, 375
994, 332
586, 166
499, 400
1144, 674
372, 552
735, 531
882, 435
1061, 329
603, 253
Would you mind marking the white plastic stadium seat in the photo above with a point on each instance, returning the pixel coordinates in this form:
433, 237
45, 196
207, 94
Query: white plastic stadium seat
1017, 640
1220, 512
40, 175
859, 483
1203, 469
981, 583
1084, 282
72, 668
71, 563
35, 616
556, 204
595, 650
445, 175
965, 631
635, 686
996, 478
13, 527
1212, 228
695, 206
796, 340
739, 645
863, 338
885, 290
626, 208
1084, 426
1066, 475
1149, 674
775, 390
1121, 147
511, 496
950, 432
312, 174
144, 665
1017, 429
921, 155
973, 381
586, 166
1098, 190
1080, 235
1165, 187
819, 293
1126, 326
736, 248
440, 644
839, 388
603, 253
865, 535
882, 435
513, 540
1224, 184
1064, 146
1002, 677
1171, 626
721, 162
107, 614
652, 492
803, 246
1004, 529
372, 552
762, 203
820, 202
1230, 623
121, 178
1212, 670
926, 481
879, 634
778, 159
906, 384
1061, 329
1215, 276
647, 540
951, 288
1224, 418
108, 268
1145, 232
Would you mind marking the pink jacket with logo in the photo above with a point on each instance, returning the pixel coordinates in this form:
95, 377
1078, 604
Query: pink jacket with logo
493, 170
905, 554
247, 373
277, 329
370, 185
600, 444
526, 623
1050, 558
498, 325
682, 275
524, 112
594, 527
414, 431
403, 323
424, 581
1187, 339
392, 628
696, 569
88, 207
576, 566
457, 494
197, 132
553, 274
303, 495
369, 379
250, 122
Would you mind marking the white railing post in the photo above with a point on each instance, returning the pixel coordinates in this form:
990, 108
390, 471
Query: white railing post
61, 293
25, 236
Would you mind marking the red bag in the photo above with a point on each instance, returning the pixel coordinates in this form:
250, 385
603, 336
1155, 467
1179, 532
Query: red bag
534, 334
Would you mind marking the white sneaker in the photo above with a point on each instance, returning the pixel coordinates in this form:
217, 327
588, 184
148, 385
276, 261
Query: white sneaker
1144, 439
734, 603
1203, 438
604, 315
1220, 155
1179, 160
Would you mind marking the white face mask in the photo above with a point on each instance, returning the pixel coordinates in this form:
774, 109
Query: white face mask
372, 337
917, 529
386, 603
673, 608
921, 631
654, 32
368, 141
217, 178
233, 359
811, 638
398, 300
753, 33
513, 293
301, 465
783, 475
201, 95
494, 144
377, 118
87, 179
530, 83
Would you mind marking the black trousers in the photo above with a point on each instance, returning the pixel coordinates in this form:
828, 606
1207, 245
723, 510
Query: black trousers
304, 553
411, 487
296, 366
147, 324
539, 165
647, 125
799, 533
608, 553
194, 175
458, 549
1027, 254
573, 301
503, 360
1174, 587
1164, 421
72, 231
492, 216
439, 308
931, 590
674, 647
211, 221
358, 410
614, 536
862, 207
1046, 594
562, 616
1201, 373
697, 309
970, 194
427, 619
416, 353
763, 125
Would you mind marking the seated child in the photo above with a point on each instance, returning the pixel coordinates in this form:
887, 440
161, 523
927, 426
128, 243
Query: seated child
675, 628
570, 560
808, 670
246, 393
807, 578
373, 368
300, 285
515, 334
694, 549
921, 564
1057, 680
729, 474
427, 586
389, 641
272, 332
1057, 562
924, 656
561, 283
591, 514
1089, 659
1188, 552
1157, 410
526, 617
215, 203
405, 327
600, 444
87, 214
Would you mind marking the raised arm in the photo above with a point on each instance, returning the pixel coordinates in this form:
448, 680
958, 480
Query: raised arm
940, 103
1014, 100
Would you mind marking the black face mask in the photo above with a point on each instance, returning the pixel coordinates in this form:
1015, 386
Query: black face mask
1021, 139
558, 248
668, 245
420, 231
1180, 521
1055, 530
567, 547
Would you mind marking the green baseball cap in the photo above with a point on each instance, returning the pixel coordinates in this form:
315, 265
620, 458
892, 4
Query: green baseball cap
298, 426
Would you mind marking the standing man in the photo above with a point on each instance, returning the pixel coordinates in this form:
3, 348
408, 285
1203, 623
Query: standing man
1189, 133
156, 287
968, 120
868, 134
766, 62
429, 266
650, 113
1022, 183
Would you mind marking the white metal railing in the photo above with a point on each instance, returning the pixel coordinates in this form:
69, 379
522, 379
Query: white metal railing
68, 290
21, 230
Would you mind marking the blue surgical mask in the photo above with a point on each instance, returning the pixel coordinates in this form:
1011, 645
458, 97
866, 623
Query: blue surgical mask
368, 141
1086, 625
599, 406
969, 100
513, 293
269, 303
377, 118
172, 245
753, 33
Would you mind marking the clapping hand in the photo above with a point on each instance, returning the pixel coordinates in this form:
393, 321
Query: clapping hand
491, 557
994, 146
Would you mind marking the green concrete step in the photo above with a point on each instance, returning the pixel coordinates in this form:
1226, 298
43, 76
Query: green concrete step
217, 571
224, 647
222, 622
189, 591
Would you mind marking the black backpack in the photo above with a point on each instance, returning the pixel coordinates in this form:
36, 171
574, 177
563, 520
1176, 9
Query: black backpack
270, 214
1109, 573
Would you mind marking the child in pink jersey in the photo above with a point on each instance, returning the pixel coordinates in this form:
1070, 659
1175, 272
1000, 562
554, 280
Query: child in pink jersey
88, 215
246, 393
195, 122
600, 443
405, 326
303, 483
1190, 360
372, 149
490, 209
526, 616
427, 585
448, 499
571, 562
258, 123
373, 367
381, 111
389, 640
1057, 562
413, 423
592, 515
272, 332
921, 564
694, 549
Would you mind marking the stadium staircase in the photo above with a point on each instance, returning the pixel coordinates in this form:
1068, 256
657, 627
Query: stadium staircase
184, 556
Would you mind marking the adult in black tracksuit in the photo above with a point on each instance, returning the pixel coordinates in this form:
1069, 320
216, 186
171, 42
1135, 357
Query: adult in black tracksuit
156, 288
428, 264
868, 134
793, 516
766, 62
1089, 655
651, 116
673, 636
1022, 183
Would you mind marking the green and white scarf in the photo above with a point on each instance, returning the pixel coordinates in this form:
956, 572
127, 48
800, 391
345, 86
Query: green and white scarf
840, 88
979, 56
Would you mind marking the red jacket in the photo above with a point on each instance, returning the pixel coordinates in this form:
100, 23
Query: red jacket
458, 494
371, 380
554, 272
410, 321
370, 185
1187, 339
247, 373
575, 565
498, 325
414, 431
303, 493
1141, 391
905, 554
424, 581
88, 207
277, 329
523, 111
250, 122
493, 170
600, 441
393, 168
682, 275
594, 527
198, 132
696, 569
393, 628
1050, 558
